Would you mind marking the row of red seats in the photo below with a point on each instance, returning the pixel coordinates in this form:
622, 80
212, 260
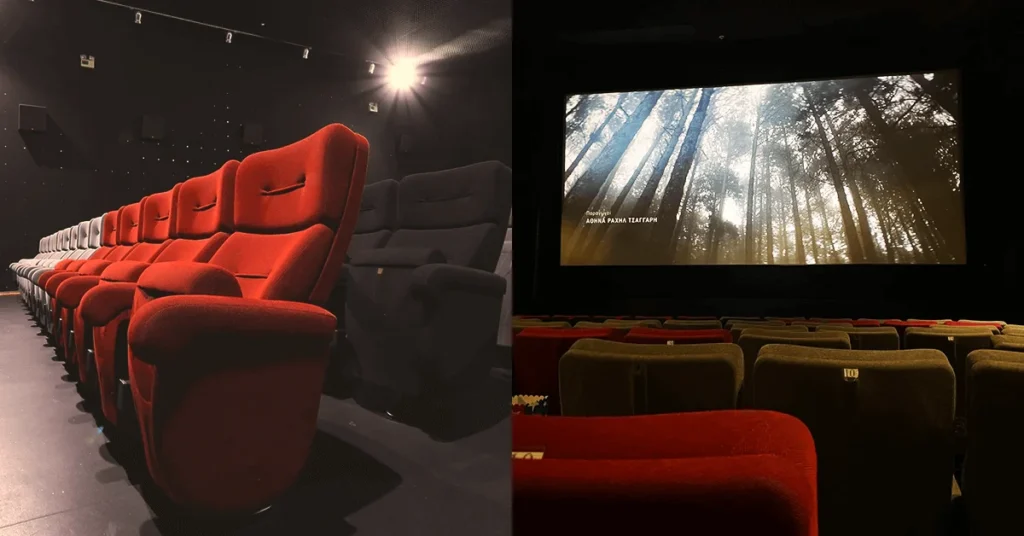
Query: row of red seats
201, 317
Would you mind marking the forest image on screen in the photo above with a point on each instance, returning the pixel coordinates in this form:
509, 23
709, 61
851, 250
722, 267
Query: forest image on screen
846, 171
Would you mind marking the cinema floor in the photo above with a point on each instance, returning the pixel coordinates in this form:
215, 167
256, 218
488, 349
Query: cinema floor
367, 474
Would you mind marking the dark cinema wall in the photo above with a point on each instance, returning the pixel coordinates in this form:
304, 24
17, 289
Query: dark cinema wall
91, 158
556, 58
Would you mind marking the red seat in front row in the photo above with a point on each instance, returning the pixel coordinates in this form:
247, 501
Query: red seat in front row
226, 362
198, 218
712, 472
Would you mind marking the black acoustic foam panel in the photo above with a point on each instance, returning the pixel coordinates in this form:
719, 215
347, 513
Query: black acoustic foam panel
32, 118
252, 134
152, 127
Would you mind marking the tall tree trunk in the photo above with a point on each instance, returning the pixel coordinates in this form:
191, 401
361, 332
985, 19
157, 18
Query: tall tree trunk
596, 135
690, 216
853, 249
883, 220
942, 98
642, 208
594, 239
662, 233
784, 229
910, 174
766, 162
867, 241
749, 230
800, 254
810, 226
687, 204
580, 106
830, 240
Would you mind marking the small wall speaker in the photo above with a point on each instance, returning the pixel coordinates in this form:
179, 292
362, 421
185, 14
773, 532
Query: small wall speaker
152, 128
32, 118
252, 134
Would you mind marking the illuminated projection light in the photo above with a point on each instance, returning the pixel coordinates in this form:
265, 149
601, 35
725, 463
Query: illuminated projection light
402, 75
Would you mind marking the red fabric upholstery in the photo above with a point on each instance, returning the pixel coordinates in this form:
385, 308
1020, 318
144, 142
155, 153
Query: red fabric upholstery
865, 323
645, 335
70, 292
902, 325
108, 236
104, 302
205, 204
104, 343
293, 190
719, 472
124, 271
210, 373
535, 355
189, 278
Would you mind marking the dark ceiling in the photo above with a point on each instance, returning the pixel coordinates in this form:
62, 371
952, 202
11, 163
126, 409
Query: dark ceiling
372, 30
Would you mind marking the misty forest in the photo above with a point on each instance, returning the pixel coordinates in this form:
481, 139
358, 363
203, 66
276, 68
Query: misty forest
862, 170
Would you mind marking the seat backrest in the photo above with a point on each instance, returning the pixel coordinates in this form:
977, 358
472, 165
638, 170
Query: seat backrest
994, 468
126, 232
378, 216
202, 216
156, 218
751, 340
462, 212
868, 338
607, 378
295, 208
883, 428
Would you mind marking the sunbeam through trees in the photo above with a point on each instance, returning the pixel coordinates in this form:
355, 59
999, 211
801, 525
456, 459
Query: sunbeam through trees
862, 170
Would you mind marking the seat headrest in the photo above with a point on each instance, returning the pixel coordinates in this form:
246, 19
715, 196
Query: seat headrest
65, 239
300, 184
128, 224
379, 209
157, 213
83, 235
460, 197
73, 238
206, 203
96, 232
108, 235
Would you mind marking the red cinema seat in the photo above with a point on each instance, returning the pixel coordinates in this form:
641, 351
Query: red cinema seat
200, 215
971, 323
108, 240
535, 355
704, 473
127, 239
862, 323
643, 335
227, 359
150, 230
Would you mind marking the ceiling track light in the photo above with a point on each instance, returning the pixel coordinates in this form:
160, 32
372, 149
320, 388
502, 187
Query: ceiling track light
305, 53
138, 17
229, 37
372, 67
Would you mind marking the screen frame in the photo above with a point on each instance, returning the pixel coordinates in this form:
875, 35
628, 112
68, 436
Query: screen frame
555, 70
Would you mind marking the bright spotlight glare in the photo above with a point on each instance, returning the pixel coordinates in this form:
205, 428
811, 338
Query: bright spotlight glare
402, 75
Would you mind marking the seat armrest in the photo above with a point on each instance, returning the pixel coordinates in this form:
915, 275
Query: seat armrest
69, 293
124, 271
435, 279
103, 302
171, 278
179, 329
398, 257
